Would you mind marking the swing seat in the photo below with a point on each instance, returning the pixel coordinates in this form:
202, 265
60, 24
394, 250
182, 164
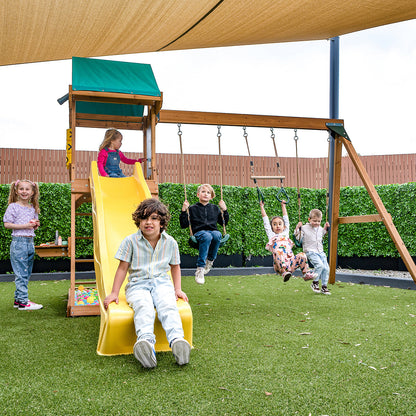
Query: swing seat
297, 242
224, 239
193, 242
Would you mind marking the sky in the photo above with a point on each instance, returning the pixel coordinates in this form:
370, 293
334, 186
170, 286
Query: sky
376, 97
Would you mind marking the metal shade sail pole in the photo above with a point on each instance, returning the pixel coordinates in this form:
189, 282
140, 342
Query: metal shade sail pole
333, 113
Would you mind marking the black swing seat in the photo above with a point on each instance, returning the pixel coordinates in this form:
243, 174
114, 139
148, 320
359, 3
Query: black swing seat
296, 241
193, 242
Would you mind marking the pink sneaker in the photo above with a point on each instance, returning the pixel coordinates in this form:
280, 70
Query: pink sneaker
310, 276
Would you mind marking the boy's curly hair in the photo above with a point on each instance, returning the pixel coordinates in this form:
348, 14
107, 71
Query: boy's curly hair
149, 207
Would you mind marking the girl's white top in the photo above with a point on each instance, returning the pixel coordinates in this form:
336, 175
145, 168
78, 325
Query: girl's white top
18, 214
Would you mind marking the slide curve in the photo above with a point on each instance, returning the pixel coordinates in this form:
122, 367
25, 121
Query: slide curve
113, 202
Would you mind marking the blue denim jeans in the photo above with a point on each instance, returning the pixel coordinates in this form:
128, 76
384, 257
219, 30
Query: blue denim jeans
144, 295
22, 252
209, 243
112, 166
320, 264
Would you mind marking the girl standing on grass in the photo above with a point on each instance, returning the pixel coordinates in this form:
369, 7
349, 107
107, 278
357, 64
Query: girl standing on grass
21, 216
109, 155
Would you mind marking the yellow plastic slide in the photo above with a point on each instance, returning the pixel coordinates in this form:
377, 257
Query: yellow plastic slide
113, 202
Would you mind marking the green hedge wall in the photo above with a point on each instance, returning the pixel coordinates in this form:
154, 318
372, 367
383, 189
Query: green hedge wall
245, 226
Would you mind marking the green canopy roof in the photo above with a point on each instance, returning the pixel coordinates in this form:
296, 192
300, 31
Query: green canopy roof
112, 76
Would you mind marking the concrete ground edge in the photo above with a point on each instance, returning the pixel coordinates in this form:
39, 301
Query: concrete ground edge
236, 271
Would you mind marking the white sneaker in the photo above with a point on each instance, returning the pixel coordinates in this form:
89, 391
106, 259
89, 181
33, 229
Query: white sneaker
315, 286
145, 353
181, 350
199, 275
208, 266
29, 306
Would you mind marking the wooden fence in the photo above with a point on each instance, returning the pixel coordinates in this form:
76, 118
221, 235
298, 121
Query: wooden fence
49, 166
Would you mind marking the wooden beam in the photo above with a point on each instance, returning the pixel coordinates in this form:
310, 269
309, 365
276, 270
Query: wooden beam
106, 117
116, 98
80, 186
101, 124
151, 130
248, 120
158, 104
378, 203
267, 177
336, 189
106, 121
360, 218
153, 188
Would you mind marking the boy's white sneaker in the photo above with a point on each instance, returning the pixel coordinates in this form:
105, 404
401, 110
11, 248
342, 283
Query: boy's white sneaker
325, 290
29, 306
208, 266
145, 353
315, 286
181, 350
199, 275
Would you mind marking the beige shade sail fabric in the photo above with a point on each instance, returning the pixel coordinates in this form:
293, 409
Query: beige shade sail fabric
47, 30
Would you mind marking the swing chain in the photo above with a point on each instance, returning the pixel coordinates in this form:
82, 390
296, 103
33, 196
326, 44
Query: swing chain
179, 129
296, 138
219, 131
272, 135
245, 132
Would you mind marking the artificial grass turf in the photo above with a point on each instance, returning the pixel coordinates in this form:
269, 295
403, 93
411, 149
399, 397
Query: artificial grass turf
261, 347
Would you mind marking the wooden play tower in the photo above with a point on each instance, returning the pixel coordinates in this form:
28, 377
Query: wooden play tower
100, 97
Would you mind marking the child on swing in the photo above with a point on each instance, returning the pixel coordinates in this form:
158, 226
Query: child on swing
109, 155
204, 217
311, 236
284, 261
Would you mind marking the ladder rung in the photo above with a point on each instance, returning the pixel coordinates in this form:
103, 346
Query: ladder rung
84, 260
267, 177
84, 238
83, 214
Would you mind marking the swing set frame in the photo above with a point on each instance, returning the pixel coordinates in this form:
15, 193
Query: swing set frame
340, 139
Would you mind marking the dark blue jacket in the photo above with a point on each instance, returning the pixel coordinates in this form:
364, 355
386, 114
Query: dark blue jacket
203, 217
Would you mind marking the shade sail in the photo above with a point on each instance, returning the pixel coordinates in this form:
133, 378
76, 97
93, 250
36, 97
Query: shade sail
46, 30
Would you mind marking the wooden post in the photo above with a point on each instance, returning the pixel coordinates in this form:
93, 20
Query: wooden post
72, 240
336, 186
385, 216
